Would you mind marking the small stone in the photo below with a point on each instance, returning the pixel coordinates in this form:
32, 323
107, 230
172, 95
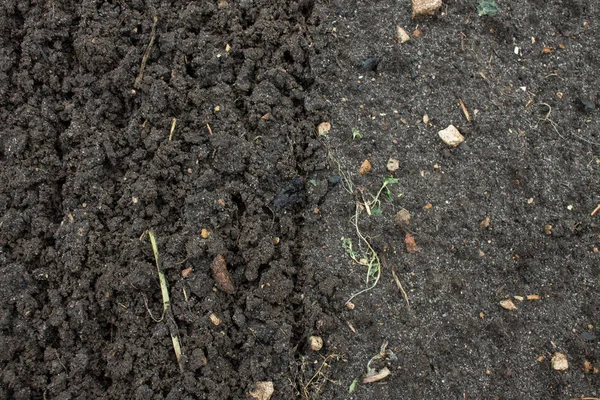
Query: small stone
393, 165
315, 343
426, 119
350, 305
559, 362
451, 136
186, 272
264, 391
204, 233
485, 223
215, 320
422, 8
587, 366
520, 298
403, 217
401, 35
508, 304
323, 128
548, 229
365, 167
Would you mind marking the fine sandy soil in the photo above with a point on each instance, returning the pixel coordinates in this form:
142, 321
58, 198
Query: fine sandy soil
90, 159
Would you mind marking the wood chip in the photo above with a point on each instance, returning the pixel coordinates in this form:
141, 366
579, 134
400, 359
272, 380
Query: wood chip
533, 297
508, 304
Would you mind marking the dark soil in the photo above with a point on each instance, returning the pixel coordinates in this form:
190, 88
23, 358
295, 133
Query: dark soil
87, 167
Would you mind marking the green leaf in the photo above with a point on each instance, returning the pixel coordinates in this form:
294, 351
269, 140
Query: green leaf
352, 387
356, 134
376, 211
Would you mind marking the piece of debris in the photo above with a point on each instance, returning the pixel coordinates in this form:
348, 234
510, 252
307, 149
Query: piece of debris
423, 8
204, 233
215, 320
403, 217
464, 110
264, 391
451, 136
508, 304
520, 298
485, 223
377, 376
186, 272
294, 193
587, 366
370, 64
428, 206
401, 35
559, 362
350, 305
588, 104
365, 167
411, 245
323, 128
548, 229
393, 165
532, 297
222, 4
315, 343
426, 119
221, 275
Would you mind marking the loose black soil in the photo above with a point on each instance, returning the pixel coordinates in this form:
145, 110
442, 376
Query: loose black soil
87, 167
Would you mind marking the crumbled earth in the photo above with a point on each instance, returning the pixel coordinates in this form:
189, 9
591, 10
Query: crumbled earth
88, 165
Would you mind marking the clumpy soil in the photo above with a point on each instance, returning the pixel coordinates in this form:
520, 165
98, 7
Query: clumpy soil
91, 158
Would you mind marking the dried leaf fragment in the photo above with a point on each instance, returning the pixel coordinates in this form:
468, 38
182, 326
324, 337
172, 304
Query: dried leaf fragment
264, 391
383, 373
508, 304
559, 362
221, 275
411, 245
365, 167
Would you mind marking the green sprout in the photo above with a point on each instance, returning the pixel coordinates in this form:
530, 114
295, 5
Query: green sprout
356, 134
487, 7
374, 206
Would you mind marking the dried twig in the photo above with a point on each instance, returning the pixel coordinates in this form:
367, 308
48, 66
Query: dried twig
138, 80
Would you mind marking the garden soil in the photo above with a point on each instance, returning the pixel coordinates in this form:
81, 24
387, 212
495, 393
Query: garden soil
198, 120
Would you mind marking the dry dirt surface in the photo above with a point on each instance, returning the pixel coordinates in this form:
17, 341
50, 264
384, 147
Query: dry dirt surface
198, 120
